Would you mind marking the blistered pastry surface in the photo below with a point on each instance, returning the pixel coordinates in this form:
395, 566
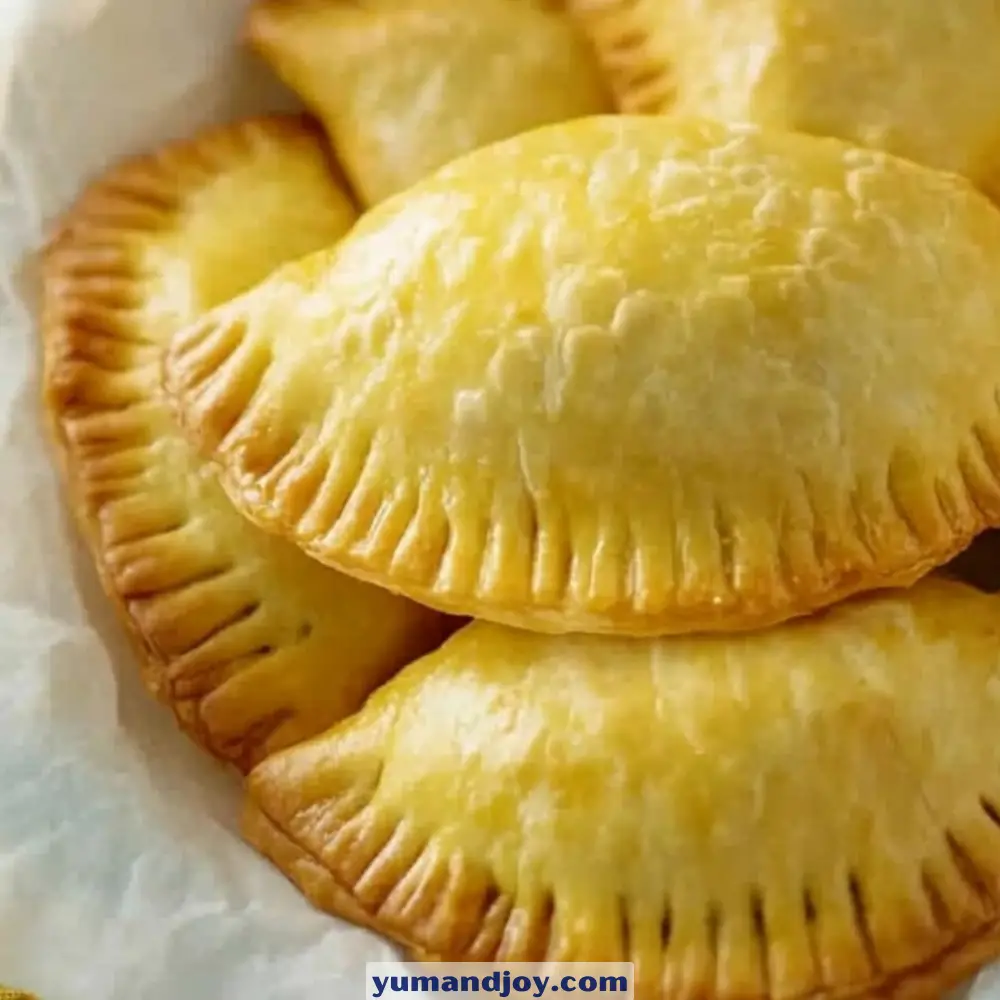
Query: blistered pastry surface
624, 375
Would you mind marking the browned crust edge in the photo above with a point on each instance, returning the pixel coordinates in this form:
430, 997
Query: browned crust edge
215, 410
142, 190
947, 968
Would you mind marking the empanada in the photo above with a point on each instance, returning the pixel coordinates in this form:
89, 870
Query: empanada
633, 375
254, 645
808, 810
404, 86
920, 78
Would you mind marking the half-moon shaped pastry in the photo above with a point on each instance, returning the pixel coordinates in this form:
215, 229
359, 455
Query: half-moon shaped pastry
920, 78
403, 87
254, 645
626, 375
811, 810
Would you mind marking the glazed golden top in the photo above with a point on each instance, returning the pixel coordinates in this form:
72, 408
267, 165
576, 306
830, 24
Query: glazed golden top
759, 816
624, 374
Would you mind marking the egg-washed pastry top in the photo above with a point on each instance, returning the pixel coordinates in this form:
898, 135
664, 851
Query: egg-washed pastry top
404, 86
254, 645
920, 78
810, 810
634, 375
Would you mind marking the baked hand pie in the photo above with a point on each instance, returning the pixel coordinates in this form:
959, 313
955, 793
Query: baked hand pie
920, 78
808, 810
404, 86
254, 645
626, 375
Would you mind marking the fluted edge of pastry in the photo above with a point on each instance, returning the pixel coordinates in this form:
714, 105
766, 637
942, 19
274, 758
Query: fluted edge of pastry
197, 610
216, 368
641, 79
88, 288
441, 887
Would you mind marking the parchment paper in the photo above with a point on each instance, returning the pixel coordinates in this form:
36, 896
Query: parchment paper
122, 876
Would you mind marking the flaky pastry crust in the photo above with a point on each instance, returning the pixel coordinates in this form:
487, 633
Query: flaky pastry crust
810, 810
252, 644
406, 86
628, 375
920, 79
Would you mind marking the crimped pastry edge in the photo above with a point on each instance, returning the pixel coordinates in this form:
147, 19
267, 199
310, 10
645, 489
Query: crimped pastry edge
641, 81
61, 311
382, 565
947, 968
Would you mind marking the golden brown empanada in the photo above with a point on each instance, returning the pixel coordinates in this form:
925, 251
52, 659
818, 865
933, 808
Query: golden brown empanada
254, 645
920, 78
633, 375
808, 810
404, 86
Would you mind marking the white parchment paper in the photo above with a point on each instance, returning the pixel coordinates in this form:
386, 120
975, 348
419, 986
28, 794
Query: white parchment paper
122, 876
